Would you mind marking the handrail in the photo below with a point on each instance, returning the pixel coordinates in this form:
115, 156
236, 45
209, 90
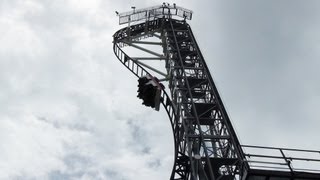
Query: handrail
281, 160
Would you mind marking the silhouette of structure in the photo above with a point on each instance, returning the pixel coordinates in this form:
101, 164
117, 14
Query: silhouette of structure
206, 145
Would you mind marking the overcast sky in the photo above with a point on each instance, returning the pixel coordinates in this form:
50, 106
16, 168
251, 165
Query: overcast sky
68, 108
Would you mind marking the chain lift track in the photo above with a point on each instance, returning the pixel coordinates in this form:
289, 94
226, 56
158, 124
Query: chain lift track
206, 145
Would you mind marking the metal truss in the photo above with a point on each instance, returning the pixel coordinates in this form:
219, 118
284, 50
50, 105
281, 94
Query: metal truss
206, 145
207, 138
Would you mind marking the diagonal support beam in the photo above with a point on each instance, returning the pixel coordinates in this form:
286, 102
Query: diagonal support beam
144, 49
147, 42
148, 58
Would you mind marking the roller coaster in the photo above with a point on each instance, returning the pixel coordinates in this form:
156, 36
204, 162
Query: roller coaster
160, 49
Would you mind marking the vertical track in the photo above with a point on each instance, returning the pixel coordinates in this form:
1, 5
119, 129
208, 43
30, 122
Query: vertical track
211, 143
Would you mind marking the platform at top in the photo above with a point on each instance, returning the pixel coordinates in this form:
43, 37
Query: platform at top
165, 10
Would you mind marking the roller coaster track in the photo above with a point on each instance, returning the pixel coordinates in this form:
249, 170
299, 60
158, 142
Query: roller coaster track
139, 71
203, 135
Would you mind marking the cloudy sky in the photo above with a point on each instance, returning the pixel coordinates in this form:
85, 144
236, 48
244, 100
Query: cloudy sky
68, 108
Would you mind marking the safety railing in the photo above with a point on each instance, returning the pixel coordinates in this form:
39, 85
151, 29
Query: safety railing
154, 12
282, 159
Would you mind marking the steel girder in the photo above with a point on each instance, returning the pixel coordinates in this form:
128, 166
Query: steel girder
206, 146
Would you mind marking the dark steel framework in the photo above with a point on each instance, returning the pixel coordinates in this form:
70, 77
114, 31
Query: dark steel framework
206, 145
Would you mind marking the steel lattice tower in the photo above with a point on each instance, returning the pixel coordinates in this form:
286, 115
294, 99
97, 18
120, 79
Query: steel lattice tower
206, 145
